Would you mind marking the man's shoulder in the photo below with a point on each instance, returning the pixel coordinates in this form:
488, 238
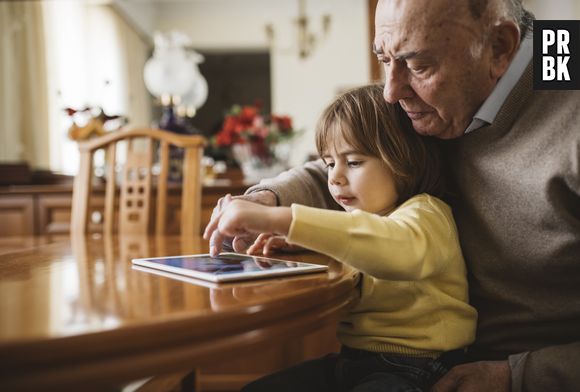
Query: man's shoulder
555, 97
557, 110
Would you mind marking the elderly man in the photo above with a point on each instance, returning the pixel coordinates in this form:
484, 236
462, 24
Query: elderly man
462, 71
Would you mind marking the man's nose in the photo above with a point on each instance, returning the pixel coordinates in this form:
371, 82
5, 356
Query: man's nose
396, 83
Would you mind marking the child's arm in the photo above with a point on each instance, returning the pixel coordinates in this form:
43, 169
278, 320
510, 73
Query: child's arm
272, 223
242, 216
415, 241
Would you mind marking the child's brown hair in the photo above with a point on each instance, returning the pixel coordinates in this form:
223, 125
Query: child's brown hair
376, 128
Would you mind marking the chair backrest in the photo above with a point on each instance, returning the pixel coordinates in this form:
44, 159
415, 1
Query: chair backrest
136, 182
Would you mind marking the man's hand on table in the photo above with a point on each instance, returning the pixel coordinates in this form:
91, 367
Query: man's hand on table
476, 377
241, 241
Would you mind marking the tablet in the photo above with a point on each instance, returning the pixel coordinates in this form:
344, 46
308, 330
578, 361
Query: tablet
181, 278
227, 267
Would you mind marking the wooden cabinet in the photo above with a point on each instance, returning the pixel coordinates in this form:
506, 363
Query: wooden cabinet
53, 212
16, 215
46, 209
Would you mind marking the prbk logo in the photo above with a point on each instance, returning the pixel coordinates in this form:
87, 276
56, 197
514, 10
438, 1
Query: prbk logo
557, 54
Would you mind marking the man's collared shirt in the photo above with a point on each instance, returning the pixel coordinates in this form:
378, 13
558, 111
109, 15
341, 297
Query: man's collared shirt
488, 111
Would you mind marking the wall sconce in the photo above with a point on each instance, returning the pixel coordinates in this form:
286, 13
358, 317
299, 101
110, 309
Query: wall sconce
307, 40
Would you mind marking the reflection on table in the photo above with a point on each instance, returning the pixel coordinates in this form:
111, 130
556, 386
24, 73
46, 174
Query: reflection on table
75, 313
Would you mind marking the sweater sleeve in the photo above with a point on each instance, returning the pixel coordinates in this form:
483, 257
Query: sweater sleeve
303, 185
409, 244
552, 368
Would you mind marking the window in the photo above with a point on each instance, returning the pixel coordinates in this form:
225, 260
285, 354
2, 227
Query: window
94, 60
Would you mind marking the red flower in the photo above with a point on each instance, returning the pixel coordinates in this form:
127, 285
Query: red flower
224, 139
284, 122
248, 114
247, 124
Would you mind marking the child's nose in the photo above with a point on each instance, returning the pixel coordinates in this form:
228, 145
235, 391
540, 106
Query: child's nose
336, 178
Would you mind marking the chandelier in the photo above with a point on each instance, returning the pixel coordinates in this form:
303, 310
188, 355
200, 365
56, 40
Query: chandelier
307, 39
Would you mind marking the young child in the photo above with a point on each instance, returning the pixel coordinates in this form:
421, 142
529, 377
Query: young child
412, 319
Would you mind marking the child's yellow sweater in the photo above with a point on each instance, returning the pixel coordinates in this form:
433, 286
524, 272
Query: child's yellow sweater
413, 293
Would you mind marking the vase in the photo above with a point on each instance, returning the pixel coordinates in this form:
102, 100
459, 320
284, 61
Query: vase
258, 160
171, 122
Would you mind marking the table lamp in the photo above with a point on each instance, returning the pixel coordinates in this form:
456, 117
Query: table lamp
172, 75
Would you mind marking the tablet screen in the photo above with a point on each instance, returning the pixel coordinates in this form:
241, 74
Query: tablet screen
228, 266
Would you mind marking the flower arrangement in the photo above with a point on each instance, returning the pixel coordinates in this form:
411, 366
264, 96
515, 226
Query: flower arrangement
89, 122
255, 139
248, 125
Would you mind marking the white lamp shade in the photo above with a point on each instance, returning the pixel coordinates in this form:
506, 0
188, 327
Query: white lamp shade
197, 94
168, 74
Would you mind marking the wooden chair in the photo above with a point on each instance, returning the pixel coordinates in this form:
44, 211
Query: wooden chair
136, 183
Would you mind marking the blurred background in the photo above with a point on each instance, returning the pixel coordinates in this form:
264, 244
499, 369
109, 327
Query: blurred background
66, 62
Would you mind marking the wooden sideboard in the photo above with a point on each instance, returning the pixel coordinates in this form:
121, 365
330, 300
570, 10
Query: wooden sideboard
45, 209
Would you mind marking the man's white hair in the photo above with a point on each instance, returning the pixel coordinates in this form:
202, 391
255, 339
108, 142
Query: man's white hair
494, 12
499, 10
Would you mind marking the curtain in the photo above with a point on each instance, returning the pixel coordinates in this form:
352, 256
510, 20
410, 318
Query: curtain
135, 51
23, 81
95, 60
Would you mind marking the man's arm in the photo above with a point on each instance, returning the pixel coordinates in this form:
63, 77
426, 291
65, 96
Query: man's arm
306, 185
552, 368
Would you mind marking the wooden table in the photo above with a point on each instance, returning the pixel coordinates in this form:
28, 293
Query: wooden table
74, 315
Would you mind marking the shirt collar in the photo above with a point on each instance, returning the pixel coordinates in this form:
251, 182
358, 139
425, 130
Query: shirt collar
490, 108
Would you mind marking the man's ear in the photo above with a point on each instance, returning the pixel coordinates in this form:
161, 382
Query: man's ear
505, 41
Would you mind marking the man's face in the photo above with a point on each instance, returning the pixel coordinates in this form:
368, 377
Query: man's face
436, 62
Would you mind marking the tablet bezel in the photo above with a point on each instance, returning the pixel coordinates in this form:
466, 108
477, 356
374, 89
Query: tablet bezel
302, 268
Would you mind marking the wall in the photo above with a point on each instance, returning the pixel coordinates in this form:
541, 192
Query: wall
140, 16
554, 9
300, 88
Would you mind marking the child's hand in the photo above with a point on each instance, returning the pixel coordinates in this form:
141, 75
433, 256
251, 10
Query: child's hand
241, 217
239, 243
266, 244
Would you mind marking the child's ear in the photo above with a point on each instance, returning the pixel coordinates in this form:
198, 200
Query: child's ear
505, 40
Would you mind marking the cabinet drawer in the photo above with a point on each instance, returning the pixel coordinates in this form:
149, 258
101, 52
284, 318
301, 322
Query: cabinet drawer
16, 215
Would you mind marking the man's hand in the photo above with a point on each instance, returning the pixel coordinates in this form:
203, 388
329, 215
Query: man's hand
476, 377
241, 241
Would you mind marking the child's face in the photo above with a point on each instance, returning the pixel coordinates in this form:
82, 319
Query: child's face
358, 181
